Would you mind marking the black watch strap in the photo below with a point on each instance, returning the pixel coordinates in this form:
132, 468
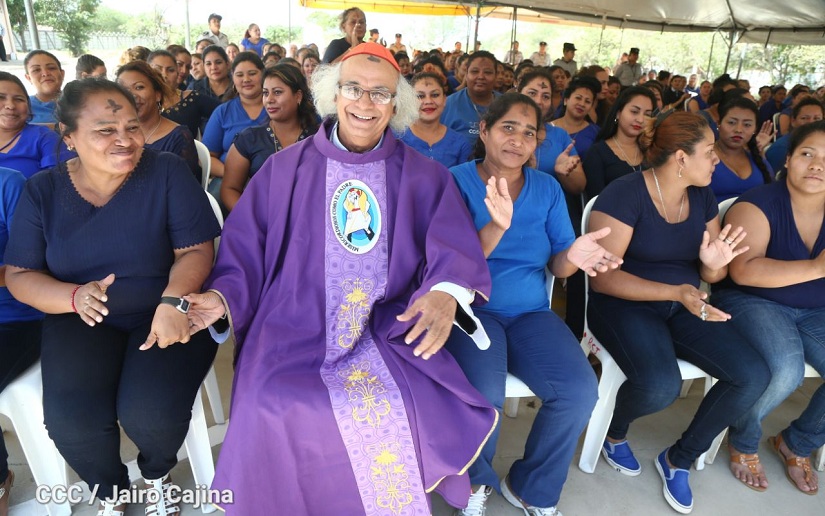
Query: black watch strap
179, 303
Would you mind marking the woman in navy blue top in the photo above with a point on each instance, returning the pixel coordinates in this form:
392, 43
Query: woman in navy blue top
292, 117
25, 147
777, 299
428, 135
185, 107
521, 218
160, 133
106, 244
650, 312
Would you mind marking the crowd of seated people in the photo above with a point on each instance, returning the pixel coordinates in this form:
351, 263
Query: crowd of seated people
659, 154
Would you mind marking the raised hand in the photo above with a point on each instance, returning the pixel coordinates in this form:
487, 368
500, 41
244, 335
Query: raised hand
89, 300
589, 256
204, 310
765, 136
565, 163
499, 204
718, 253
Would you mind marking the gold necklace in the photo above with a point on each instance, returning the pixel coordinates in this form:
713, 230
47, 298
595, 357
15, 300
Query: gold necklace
626, 159
148, 136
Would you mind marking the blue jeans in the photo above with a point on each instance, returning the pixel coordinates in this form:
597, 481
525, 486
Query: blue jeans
646, 337
539, 349
786, 338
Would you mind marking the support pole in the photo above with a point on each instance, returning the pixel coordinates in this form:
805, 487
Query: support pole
730, 49
475, 36
32, 24
12, 50
710, 56
188, 37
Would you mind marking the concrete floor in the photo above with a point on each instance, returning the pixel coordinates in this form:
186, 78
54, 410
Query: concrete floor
605, 492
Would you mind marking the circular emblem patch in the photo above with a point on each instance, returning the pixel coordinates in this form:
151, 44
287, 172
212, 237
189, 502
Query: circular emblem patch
355, 216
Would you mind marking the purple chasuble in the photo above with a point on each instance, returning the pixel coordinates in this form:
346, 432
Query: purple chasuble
331, 411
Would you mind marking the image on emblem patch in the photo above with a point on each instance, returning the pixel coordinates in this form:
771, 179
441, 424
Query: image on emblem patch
355, 216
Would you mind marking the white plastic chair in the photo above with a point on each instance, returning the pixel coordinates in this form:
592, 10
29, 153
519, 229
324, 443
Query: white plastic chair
612, 378
515, 388
22, 402
205, 160
210, 383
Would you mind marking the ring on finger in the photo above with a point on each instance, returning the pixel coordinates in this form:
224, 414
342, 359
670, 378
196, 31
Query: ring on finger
729, 241
703, 312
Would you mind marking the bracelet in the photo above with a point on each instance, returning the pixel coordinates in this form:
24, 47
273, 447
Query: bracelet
74, 308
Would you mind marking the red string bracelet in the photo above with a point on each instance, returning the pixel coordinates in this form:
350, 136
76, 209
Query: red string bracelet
74, 308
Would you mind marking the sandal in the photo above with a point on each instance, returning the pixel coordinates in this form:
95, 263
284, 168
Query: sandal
751, 461
160, 502
803, 463
111, 509
4, 493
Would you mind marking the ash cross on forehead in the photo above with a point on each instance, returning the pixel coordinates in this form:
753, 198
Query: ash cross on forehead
114, 106
373, 59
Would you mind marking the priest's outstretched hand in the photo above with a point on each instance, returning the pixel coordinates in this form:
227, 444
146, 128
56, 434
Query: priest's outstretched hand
204, 310
435, 311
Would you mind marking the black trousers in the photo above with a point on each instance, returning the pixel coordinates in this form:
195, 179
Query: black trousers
95, 377
19, 349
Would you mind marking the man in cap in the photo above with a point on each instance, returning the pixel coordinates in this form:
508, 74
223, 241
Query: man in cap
566, 61
541, 58
630, 72
342, 269
513, 57
214, 33
374, 36
398, 46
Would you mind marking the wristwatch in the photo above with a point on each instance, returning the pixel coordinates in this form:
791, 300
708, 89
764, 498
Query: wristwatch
180, 304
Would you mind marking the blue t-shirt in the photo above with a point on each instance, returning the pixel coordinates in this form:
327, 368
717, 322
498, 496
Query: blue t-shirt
658, 251
777, 152
785, 244
42, 112
555, 141
451, 150
35, 150
539, 230
226, 122
11, 186
463, 115
252, 47
726, 184
158, 209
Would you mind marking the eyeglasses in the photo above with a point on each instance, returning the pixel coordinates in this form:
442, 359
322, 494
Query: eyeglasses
353, 92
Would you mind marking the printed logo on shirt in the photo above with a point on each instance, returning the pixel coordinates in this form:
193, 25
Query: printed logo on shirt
355, 216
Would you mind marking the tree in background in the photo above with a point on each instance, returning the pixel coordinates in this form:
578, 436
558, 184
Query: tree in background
72, 18
280, 34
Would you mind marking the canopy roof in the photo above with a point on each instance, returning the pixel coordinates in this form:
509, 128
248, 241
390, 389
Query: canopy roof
754, 21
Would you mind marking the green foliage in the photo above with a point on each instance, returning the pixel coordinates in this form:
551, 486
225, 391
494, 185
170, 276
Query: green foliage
17, 17
72, 18
281, 35
109, 20
327, 22
151, 27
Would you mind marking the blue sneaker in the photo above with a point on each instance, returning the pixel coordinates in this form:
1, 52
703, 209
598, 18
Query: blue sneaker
676, 487
620, 457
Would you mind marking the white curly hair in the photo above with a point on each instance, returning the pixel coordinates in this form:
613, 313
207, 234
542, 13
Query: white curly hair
325, 80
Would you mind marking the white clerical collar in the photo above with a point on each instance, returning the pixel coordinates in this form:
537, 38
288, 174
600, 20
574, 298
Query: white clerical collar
337, 141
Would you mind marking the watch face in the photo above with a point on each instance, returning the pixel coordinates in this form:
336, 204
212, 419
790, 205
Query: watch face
184, 306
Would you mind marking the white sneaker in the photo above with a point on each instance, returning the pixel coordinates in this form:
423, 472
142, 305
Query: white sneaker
529, 510
477, 506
